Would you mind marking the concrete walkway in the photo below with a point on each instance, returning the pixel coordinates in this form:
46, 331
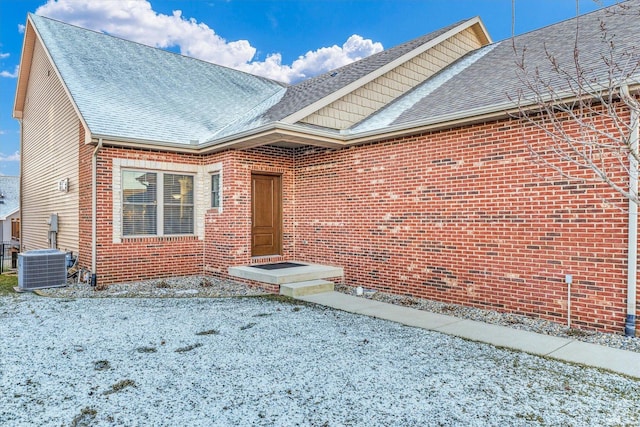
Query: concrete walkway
564, 349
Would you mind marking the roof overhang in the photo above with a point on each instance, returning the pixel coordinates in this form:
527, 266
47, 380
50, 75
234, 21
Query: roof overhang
295, 135
287, 135
13, 212
24, 71
28, 46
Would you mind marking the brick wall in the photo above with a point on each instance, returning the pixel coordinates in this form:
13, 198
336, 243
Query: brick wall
140, 258
463, 216
228, 232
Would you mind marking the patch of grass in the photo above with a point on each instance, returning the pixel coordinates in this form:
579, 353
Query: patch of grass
146, 349
188, 348
262, 315
247, 326
208, 332
7, 283
119, 386
84, 418
206, 283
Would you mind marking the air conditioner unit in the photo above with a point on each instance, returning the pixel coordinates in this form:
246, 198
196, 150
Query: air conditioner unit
42, 268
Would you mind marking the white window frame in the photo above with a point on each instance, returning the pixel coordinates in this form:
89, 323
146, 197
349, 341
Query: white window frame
219, 175
201, 192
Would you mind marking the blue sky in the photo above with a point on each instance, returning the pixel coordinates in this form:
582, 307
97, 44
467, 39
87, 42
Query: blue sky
287, 40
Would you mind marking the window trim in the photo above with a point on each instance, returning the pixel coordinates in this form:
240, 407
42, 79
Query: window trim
171, 204
160, 204
201, 191
216, 202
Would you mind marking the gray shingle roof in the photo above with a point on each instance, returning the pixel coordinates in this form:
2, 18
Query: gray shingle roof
9, 195
128, 90
493, 79
311, 90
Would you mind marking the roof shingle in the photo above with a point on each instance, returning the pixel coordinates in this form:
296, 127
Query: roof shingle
128, 90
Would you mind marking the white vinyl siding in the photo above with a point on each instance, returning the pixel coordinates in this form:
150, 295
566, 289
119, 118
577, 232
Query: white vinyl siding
50, 151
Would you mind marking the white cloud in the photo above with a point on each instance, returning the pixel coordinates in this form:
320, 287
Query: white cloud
21, 28
137, 21
15, 157
4, 55
10, 74
314, 62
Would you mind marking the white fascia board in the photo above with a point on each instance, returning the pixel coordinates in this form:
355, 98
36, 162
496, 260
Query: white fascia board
21, 70
312, 108
116, 141
280, 130
13, 212
492, 112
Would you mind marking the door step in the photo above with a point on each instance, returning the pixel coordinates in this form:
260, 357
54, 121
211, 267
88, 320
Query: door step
309, 287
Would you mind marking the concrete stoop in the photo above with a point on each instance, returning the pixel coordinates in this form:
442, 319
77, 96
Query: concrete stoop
309, 287
306, 279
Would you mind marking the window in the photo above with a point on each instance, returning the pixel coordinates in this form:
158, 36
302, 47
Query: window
139, 205
178, 204
156, 203
215, 190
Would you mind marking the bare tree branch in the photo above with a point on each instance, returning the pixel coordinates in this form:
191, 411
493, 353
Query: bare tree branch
580, 104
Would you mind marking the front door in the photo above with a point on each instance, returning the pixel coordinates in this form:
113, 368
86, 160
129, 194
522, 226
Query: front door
266, 215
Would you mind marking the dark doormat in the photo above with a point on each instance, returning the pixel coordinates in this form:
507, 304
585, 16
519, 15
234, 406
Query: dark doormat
278, 265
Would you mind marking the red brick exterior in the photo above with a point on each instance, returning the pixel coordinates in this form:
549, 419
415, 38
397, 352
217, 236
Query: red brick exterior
228, 233
461, 216
139, 258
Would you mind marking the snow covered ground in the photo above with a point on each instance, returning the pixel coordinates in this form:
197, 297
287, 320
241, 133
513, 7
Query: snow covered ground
255, 361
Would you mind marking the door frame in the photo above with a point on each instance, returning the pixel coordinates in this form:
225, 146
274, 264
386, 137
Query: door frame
278, 215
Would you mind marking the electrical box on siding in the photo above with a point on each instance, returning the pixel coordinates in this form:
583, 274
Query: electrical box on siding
53, 222
42, 268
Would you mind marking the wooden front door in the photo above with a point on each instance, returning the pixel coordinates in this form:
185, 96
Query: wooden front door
266, 215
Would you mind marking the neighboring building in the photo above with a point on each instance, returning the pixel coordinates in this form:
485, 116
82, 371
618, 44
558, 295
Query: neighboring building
406, 168
10, 211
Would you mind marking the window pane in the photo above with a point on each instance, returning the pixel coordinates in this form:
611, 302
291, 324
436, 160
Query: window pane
139, 187
215, 191
178, 220
178, 204
139, 193
139, 219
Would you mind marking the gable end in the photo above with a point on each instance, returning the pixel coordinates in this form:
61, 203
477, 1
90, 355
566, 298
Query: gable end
370, 94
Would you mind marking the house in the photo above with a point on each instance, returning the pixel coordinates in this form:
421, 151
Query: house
9, 214
410, 169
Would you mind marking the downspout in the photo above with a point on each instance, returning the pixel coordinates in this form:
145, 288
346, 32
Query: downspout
94, 211
632, 250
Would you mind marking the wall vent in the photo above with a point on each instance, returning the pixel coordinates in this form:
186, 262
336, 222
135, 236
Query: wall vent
42, 268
